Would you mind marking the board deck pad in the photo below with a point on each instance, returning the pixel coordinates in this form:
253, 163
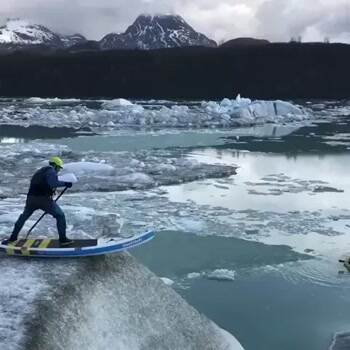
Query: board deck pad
54, 243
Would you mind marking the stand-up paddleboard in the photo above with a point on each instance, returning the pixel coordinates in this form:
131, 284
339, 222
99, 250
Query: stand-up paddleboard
50, 248
346, 263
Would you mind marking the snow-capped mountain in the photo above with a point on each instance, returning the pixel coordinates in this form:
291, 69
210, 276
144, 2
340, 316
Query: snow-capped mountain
155, 32
147, 32
20, 33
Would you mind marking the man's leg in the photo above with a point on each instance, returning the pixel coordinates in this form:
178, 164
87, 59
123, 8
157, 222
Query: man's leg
54, 210
28, 211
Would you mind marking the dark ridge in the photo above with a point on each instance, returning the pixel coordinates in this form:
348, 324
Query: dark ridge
285, 71
245, 42
89, 45
40, 49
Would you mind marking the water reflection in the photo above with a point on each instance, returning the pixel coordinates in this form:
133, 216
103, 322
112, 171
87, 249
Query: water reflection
37, 132
271, 181
318, 138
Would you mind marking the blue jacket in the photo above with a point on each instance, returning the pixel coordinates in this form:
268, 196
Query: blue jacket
44, 182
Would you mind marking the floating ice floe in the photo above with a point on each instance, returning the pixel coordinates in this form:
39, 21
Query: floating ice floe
120, 102
167, 281
244, 109
218, 274
39, 100
103, 171
222, 275
119, 113
278, 184
88, 168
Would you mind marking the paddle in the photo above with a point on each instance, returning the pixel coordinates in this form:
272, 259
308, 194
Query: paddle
32, 228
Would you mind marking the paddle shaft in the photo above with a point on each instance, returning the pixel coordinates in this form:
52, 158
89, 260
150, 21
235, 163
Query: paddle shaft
33, 227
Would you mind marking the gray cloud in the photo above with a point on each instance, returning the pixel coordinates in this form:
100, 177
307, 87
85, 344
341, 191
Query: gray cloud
277, 20
283, 19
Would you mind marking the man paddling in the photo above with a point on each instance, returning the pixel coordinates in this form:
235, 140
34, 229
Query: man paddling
42, 188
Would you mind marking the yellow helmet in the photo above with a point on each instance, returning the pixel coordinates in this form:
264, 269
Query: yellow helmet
56, 161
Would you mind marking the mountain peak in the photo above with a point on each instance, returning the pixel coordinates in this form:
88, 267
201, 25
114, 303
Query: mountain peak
155, 32
19, 33
149, 31
160, 18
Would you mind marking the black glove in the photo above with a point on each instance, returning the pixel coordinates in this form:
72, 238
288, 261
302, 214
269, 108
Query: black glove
68, 184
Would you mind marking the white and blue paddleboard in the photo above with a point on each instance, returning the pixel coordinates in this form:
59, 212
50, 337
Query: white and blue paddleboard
50, 248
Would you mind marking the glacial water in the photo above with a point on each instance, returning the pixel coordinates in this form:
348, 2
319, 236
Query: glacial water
251, 220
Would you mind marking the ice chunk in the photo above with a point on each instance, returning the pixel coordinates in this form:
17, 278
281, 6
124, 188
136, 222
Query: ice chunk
118, 102
121, 103
222, 275
39, 100
113, 297
167, 281
136, 179
121, 113
88, 168
248, 111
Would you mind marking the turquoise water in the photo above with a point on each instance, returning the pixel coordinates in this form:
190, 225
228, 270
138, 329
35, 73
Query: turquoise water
266, 267
270, 304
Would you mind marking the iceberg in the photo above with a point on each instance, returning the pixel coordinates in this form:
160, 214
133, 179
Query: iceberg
106, 303
245, 111
222, 275
88, 168
106, 115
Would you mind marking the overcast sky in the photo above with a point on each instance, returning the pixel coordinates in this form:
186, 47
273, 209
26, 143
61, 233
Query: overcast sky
276, 20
